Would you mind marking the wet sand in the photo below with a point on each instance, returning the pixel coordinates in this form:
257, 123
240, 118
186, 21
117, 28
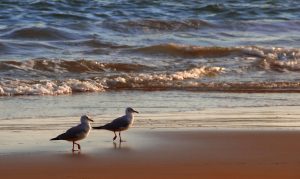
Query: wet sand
161, 153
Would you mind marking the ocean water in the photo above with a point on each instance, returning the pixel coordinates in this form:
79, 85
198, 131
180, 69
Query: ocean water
171, 50
63, 47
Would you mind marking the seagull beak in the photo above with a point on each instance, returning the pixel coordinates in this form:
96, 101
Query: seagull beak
135, 111
90, 119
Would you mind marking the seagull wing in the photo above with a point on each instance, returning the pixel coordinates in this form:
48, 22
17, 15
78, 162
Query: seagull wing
117, 124
73, 133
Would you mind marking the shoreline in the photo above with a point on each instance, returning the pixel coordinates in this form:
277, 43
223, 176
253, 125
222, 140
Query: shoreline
267, 117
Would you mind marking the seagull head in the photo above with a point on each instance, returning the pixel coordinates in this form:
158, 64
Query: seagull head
85, 118
129, 110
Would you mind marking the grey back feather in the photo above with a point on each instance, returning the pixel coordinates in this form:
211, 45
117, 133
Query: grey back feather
73, 133
117, 124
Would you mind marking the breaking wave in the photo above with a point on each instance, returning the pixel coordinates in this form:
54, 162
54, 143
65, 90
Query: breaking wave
65, 66
139, 81
179, 50
275, 59
144, 83
230, 69
21, 87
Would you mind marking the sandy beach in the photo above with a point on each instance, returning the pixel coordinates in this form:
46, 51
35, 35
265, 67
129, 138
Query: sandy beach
216, 84
164, 153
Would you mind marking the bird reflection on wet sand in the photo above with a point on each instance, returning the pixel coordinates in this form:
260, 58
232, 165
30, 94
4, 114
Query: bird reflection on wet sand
76, 155
121, 146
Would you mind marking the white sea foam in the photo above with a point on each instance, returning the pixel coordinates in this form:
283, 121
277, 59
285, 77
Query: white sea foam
1, 91
84, 86
17, 87
193, 73
68, 86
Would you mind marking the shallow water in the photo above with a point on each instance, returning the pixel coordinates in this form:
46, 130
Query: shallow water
151, 102
169, 109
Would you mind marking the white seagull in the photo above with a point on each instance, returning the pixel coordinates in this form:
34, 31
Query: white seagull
120, 124
76, 133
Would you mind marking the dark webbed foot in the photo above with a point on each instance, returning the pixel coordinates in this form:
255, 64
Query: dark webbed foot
78, 146
115, 136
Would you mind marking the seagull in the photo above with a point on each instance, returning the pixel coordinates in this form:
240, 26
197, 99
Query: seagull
76, 133
120, 124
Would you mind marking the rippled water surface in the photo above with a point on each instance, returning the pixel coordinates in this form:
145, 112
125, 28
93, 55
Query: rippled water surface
62, 47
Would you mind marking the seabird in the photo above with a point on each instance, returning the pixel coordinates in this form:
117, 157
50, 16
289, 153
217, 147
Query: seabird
120, 124
76, 133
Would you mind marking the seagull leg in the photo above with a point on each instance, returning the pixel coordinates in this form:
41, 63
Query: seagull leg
115, 136
121, 138
79, 148
73, 147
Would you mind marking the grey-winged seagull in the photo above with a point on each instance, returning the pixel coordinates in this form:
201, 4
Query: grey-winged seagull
78, 132
120, 124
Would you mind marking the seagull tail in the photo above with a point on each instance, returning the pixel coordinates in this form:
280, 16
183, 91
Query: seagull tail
100, 127
55, 138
